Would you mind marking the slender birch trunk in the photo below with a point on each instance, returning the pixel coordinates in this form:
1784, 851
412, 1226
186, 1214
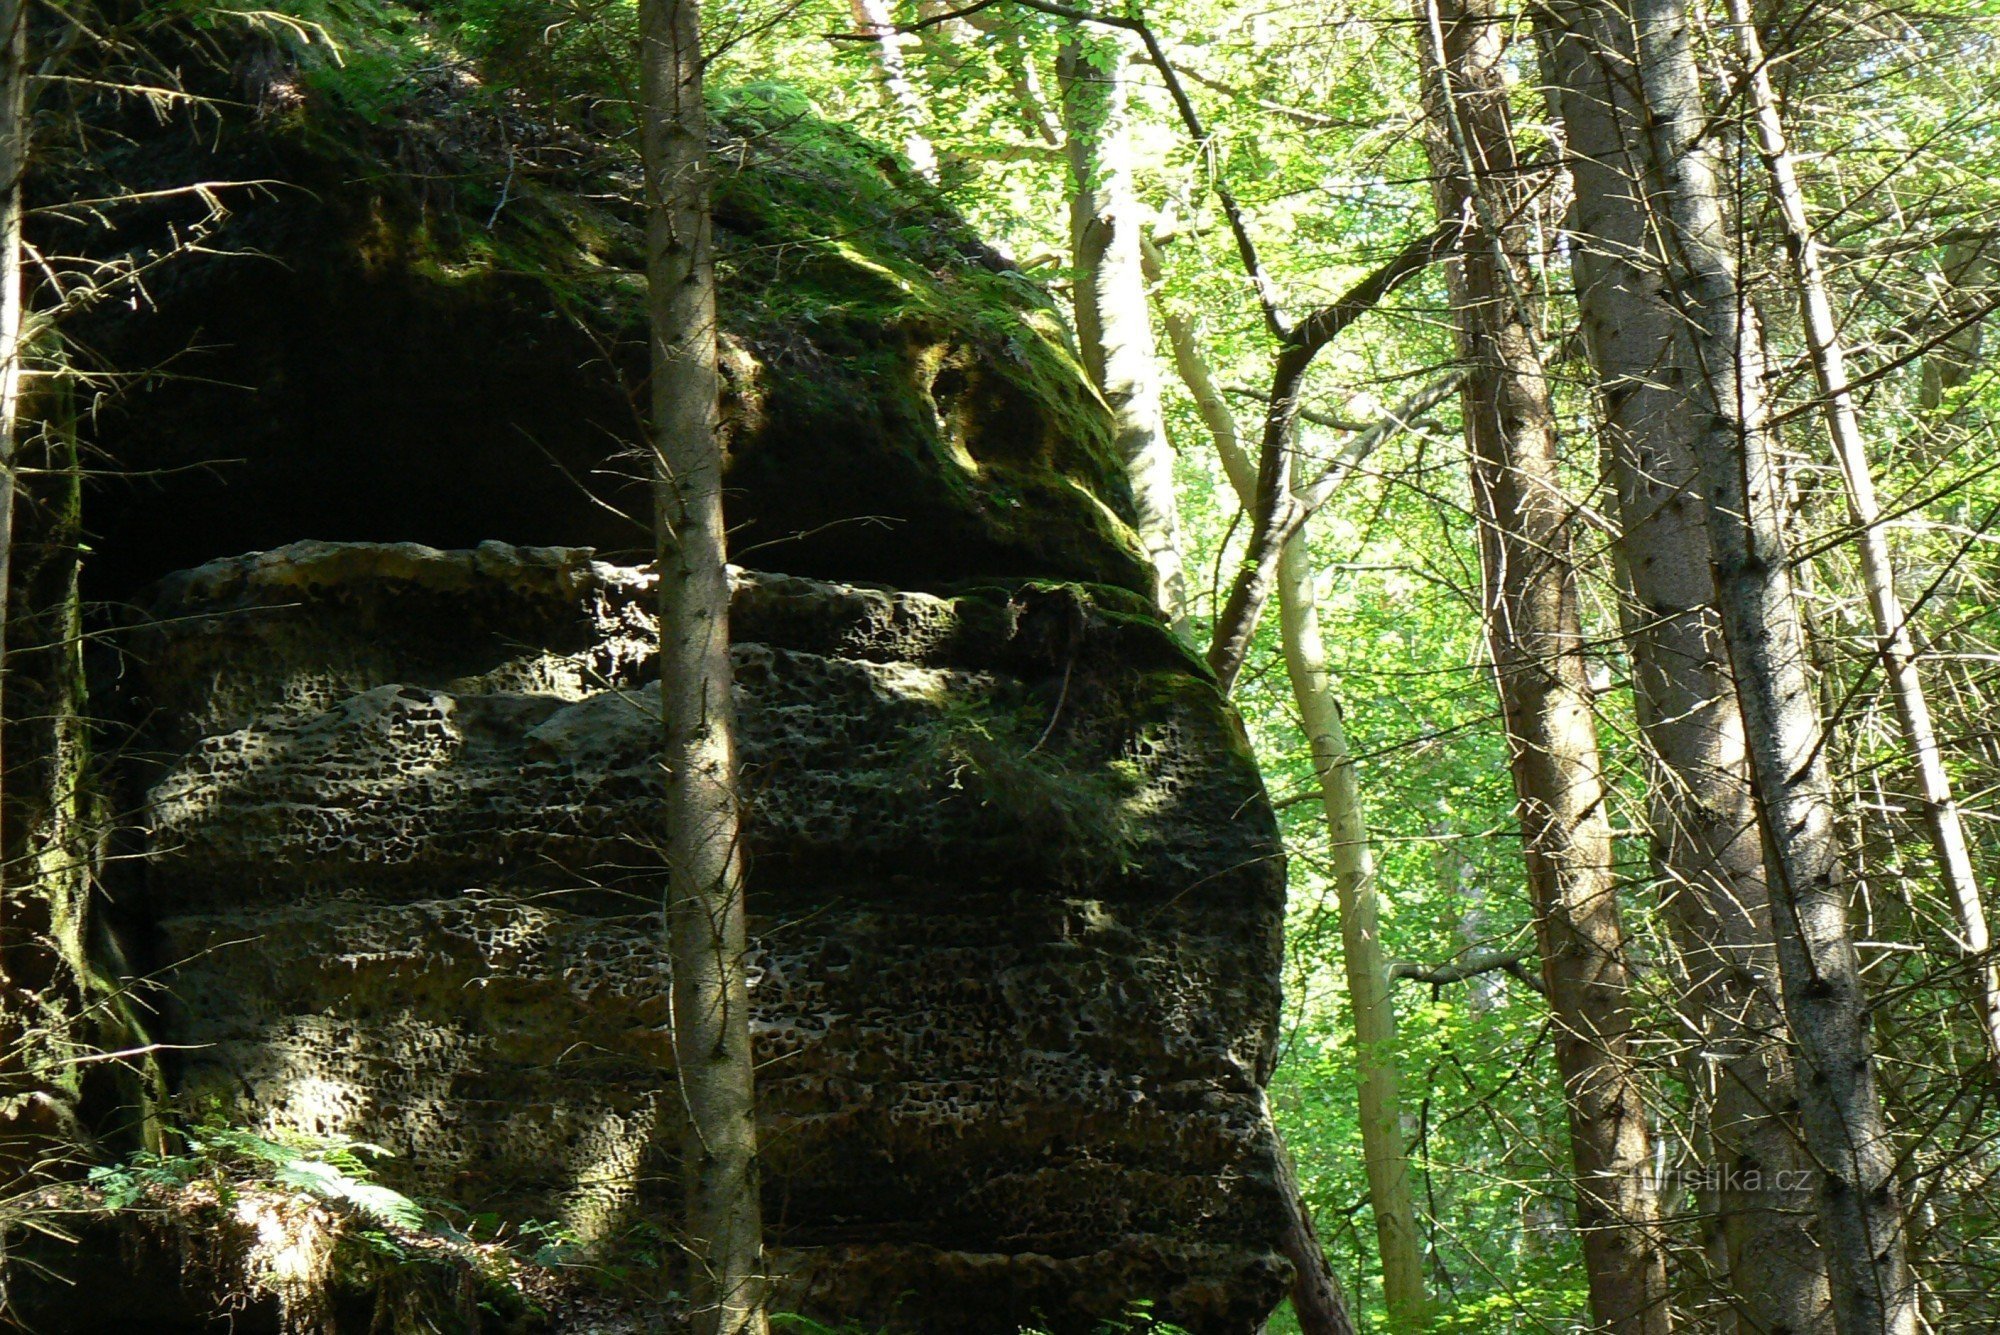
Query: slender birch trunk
873, 17
706, 934
1892, 630
1860, 1215
1114, 324
1369, 983
1534, 627
1316, 1297
1456, 882
1706, 838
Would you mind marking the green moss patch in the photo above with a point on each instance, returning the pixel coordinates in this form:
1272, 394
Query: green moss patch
451, 272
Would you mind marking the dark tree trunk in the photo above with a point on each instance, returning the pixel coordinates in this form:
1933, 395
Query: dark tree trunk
1534, 626
1707, 840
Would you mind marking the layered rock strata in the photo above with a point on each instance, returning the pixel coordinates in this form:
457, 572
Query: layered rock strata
1016, 896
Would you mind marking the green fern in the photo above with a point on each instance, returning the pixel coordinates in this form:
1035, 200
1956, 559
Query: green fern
332, 1169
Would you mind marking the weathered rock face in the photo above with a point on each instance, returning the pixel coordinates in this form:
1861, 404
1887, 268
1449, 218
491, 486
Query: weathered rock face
1015, 893
1015, 887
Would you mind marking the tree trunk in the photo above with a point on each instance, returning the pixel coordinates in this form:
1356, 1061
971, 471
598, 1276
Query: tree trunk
1892, 630
1114, 325
1968, 273
1707, 841
1369, 984
706, 934
1535, 630
36, 1102
873, 17
1317, 1300
1860, 1217
1457, 883
13, 166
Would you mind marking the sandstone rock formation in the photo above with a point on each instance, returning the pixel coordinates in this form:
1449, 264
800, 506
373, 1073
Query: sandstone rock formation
1016, 888
1014, 884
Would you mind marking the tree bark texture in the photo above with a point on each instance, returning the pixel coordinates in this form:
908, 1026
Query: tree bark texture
1860, 1211
13, 166
1707, 841
1114, 322
1898, 651
1534, 626
706, 934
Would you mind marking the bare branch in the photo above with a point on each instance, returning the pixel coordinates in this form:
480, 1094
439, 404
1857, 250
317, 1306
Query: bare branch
1277, 512
1472, 965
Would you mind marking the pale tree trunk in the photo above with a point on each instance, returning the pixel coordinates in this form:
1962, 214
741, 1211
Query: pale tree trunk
1114, 325
873, 17
1367, 963
1370, 976
1455, 880
1534, 626
706, 935
1892, 631
1968, 274
1275, 514
1193, 370
1707, 841
1370, 984
1317, 1300
1860, 1216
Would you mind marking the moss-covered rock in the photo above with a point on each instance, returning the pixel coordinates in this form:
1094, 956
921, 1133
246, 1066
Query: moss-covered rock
1015, 889
424, 322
